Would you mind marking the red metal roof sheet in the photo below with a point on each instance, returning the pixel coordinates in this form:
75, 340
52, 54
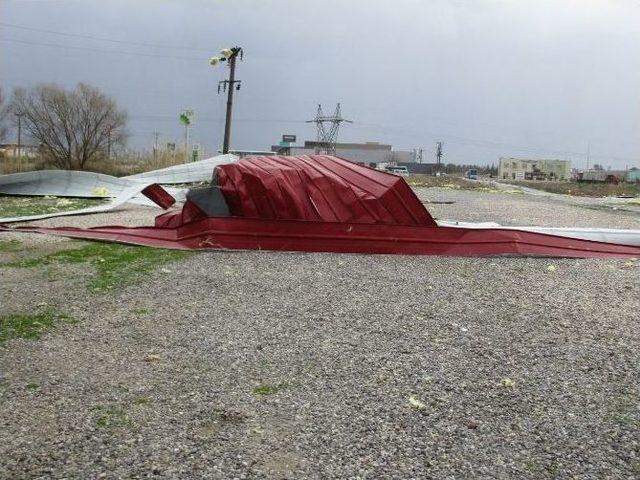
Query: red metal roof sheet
318, 188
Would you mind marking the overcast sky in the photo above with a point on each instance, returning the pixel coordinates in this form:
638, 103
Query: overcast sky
489, 78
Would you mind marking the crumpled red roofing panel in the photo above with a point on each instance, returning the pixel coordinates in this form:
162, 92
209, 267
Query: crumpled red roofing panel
318, 188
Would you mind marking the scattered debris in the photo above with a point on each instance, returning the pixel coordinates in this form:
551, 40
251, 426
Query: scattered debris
229, 415
134, 188
152, 357
321, 203
604, 235
472, 424
507, 383
417, 404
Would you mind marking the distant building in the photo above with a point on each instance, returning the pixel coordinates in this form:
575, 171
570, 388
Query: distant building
372, 154
633, 175
11, 150
605, 176
524, 169
421, 168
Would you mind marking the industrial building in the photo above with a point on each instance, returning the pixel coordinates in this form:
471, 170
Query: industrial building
525, 169
372, 154
13, 150
602, 176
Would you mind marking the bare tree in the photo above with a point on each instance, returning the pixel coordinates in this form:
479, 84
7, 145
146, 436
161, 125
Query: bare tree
72, 127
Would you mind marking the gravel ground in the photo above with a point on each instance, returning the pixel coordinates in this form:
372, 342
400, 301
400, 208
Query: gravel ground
373, 366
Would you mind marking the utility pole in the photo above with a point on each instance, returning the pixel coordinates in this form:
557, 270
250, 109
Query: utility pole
227, 120
109, 127
19, 115
588, 153
186, 142
230, 55
155, 144
438, 155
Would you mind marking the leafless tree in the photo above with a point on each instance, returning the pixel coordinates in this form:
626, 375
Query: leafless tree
72, 127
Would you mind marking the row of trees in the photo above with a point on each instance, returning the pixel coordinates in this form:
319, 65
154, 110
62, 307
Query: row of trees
71, 126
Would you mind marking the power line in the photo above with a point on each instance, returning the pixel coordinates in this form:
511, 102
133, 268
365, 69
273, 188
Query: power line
213, 119
489, 144
103, 39
117, 52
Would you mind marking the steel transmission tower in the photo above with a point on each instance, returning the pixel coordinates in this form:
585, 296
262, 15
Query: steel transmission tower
328, 135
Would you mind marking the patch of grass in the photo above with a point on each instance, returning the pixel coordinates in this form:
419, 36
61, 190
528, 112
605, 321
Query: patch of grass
116, 265
445, 181
32, 386
30, 326
141, 311
268, 389
10, 245
112, 416
24, 206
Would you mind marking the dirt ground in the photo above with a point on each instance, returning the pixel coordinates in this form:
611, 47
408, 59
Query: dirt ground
291, 365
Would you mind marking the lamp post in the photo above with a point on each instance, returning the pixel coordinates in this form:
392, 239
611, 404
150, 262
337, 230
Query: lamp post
228, 55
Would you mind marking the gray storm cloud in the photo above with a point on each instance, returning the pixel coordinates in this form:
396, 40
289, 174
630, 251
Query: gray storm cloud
489, 78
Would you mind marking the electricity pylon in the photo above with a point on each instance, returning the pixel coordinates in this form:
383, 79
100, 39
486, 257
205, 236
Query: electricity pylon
327, 137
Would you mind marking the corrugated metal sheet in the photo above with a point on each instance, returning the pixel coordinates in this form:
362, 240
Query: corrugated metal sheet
318, 188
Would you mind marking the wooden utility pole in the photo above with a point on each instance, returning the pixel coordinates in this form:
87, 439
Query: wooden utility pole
155, 145
19, 115
227, 122
109, 127
230, 55
438, 156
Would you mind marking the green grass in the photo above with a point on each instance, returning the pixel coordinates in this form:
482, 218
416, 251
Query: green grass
23, 206
112, 416
30, 326
10, 245
268, 389
116, 265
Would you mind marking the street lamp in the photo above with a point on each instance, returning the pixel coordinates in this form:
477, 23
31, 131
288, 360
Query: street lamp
228, 55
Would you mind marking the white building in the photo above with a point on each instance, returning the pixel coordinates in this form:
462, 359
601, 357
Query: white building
525, 169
